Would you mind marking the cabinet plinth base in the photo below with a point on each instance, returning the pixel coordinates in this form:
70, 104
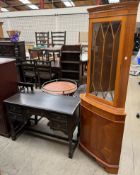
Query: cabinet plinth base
113, 169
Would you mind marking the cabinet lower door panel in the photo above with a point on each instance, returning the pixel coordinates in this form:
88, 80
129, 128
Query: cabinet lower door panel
101, 138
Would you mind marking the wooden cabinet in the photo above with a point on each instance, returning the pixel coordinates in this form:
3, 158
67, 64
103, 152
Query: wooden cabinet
1, 30
8, 87
10, 49
111, 34
70, 62
14, 50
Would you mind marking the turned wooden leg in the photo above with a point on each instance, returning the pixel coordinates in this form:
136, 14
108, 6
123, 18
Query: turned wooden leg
78, 133
70, 149
13, 133
70, 136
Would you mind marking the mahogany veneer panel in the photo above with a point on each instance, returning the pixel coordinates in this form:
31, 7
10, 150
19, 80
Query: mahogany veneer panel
8, 87
101, 136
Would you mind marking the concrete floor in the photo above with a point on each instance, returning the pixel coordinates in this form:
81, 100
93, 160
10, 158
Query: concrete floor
30, 155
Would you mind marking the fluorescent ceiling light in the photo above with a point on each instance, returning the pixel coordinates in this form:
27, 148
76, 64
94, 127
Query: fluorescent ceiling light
4, 10
32, 6
72, 3
68, 3
113, 1
25, 1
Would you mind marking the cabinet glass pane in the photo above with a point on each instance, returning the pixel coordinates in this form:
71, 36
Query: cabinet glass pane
104, 55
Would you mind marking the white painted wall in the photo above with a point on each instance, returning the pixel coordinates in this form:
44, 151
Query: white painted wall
72, 20
46, 12
72, 24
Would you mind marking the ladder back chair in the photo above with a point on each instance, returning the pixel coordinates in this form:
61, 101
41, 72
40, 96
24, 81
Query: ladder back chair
44, 71
58, 38
26, 87
36, 54
29, 71
42, 38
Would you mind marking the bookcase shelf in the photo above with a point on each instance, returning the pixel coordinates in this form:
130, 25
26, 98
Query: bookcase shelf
72, 71
71, 67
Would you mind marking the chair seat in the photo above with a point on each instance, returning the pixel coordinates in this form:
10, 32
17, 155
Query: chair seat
46, 75
30, 74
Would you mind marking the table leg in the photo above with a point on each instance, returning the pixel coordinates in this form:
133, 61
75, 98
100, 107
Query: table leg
46, 54
36, 119
78, 133
78, 124
53, 56
13, 133
70, 147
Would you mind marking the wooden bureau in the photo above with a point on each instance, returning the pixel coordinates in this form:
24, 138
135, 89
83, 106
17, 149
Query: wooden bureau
8, 87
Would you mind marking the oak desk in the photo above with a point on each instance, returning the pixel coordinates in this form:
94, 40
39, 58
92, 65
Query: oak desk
61, 111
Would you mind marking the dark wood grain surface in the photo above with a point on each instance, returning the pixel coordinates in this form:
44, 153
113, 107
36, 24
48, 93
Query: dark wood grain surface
8, 87
55, 103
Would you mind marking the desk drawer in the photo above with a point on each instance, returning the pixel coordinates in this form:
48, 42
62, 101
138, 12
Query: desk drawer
58, 122
60, 118
18, 110
16, 116
58, 126
14, 108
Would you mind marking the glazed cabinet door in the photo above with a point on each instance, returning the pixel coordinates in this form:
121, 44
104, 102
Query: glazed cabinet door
106, 38
1, 30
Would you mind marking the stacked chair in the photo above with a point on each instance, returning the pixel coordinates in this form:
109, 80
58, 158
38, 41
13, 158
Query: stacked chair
37, 72
42, 38
58, 39
38, 69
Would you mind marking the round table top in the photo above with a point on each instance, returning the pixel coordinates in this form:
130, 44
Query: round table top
60, 87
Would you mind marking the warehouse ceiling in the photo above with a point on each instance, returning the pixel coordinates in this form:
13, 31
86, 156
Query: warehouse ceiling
19, 5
